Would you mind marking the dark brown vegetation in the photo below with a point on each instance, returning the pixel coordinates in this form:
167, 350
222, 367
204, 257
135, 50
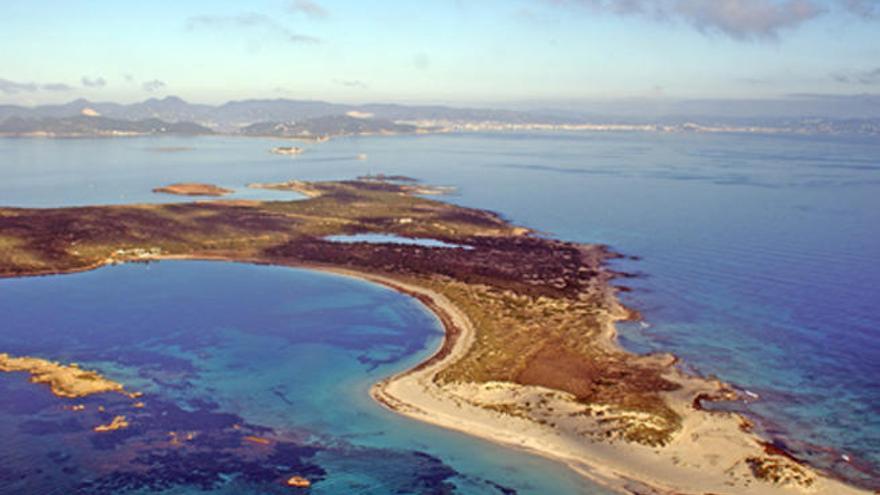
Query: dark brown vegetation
779, 470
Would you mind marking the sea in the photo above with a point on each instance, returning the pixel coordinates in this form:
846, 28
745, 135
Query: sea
755, 259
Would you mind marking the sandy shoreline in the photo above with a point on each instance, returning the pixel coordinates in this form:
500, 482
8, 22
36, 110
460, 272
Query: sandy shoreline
708, 455
705, 457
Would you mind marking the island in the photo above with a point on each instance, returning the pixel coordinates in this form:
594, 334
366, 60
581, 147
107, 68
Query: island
69, 381
118, 423
298, 482
530, 357
287, 150
170, 149
193, 189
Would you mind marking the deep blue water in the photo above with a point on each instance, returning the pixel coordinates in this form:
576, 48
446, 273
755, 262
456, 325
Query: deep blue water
759, 254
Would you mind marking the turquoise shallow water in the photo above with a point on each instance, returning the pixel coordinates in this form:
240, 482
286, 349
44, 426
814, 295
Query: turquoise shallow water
222, 351
759, 255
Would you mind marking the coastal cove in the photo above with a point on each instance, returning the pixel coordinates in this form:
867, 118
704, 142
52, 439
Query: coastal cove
210, 341
632, 337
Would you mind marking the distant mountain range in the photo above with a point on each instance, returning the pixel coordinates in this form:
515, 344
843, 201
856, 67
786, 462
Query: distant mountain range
318, 119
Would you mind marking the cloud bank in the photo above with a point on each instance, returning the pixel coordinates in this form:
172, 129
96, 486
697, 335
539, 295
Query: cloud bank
869, 9
865, 77
737, 19
56, 87
13, 87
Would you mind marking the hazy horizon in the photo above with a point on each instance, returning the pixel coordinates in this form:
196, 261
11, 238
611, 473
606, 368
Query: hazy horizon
793, 106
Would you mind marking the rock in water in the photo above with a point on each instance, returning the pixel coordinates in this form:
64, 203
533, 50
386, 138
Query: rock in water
299, 482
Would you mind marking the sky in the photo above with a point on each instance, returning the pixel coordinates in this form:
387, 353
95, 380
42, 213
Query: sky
438, 51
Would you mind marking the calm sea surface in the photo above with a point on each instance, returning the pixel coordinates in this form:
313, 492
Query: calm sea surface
759, 263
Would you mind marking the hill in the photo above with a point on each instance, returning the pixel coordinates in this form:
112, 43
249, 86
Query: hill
91, 126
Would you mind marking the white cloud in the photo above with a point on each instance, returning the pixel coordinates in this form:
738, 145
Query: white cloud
309, 8
13, 87
249, 21
153, 86
97, 82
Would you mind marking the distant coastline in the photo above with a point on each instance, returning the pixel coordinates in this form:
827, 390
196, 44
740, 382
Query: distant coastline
318, 121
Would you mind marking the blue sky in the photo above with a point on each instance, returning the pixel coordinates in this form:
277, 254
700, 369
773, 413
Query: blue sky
437, 50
